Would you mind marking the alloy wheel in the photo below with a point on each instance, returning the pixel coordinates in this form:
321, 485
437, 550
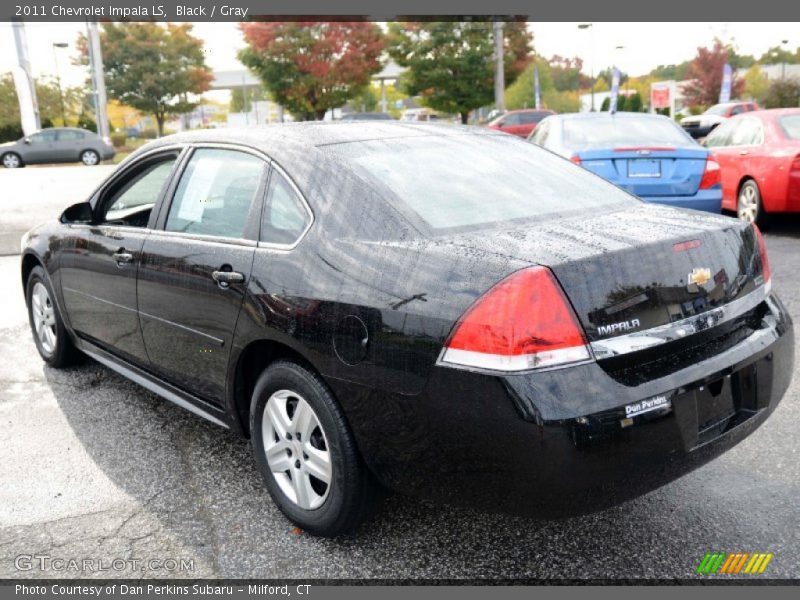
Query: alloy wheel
11, 161
89, 157
297, 449
44, 317
748, 204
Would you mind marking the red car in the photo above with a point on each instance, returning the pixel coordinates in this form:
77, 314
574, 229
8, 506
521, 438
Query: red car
759, 156
520, 122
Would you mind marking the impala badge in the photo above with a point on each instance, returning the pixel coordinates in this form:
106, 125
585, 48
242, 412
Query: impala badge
700, 276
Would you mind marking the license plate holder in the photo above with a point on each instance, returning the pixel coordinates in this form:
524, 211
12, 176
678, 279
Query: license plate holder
644, 167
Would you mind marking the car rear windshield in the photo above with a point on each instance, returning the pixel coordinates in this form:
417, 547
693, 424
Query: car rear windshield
717, 109
622, 132
791, 126
474, 181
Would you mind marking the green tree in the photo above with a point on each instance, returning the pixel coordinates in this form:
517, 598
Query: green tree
450, 64
313, 66
668, 72
152, 67
634, 103
756, 84
783, 93
777, 55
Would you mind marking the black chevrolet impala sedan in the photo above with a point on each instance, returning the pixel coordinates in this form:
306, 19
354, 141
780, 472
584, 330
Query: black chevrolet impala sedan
446, 312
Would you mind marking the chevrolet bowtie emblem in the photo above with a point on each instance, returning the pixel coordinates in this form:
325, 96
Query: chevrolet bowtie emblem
700, 276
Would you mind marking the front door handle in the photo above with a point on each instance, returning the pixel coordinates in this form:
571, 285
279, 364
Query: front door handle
122, 257
744, 152
226, 278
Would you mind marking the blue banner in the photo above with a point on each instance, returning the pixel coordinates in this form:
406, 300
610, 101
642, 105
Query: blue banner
727, 79
612, 106
537, 92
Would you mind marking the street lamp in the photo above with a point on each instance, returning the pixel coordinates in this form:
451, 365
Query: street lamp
58, 79
620, 49
591, 59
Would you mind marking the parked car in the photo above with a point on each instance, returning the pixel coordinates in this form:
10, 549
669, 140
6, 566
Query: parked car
647, 155
56, 145
519, 122
701, 125
366, 116
519, 335
760, 158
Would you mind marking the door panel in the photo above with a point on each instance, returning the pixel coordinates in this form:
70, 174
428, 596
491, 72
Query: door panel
194, 272
99, 266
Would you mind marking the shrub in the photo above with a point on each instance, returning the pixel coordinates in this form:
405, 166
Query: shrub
118, 139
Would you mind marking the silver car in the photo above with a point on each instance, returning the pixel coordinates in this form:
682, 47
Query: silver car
55, 145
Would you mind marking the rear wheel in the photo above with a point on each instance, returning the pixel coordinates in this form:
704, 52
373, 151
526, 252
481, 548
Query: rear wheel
49, 334
748, 206
90, 158
306, 452
12, 160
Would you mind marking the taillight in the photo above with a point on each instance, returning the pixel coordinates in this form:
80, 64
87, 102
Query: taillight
762, 252
711, 176
524, 322
576, 159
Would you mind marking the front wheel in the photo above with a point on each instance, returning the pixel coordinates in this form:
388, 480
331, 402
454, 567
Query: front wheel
49, 334
306, 452
749, 207
90, 158
12, 160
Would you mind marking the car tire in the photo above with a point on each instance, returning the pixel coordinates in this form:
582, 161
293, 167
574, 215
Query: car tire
288, 399
12, 160
90, 158
749, 207
51, 337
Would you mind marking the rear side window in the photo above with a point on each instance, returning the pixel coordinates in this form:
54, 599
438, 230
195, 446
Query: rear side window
621, 132
791, 126
476, 180
216, 193
70, 136
285, 216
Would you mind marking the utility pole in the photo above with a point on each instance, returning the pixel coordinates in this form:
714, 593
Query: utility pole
591, 58
98, 79
499, 71
58, 79
23, 81
783, 62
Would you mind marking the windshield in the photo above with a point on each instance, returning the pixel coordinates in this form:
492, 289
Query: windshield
459, 181
614, 132
717, 109
791, 126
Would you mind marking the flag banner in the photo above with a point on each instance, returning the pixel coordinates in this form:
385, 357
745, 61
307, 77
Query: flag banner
727, 78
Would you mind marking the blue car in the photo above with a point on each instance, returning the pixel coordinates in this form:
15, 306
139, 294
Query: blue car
650, 156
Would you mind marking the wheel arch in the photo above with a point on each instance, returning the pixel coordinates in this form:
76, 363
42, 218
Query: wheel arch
29, 262
250, 363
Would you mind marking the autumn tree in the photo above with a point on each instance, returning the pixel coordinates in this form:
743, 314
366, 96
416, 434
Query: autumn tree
450, 64
313, 66
705, 74
152, 67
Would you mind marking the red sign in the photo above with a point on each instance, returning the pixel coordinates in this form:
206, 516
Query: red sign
659, 97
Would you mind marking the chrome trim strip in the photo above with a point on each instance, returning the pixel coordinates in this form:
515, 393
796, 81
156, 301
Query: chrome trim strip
160, 390
219, 342
649, 338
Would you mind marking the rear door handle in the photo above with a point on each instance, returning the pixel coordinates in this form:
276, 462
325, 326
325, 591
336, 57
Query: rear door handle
122, 257
744, 152
226, 278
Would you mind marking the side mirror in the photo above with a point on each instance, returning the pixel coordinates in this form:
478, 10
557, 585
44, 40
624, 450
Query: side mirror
27, 140
78, 213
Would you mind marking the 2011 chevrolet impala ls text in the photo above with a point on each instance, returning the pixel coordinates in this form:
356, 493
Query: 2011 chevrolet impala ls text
447, 312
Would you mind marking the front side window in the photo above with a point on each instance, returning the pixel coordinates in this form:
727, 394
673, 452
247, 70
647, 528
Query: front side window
721, 136
216, 193
43, 137
131, 202
285, 216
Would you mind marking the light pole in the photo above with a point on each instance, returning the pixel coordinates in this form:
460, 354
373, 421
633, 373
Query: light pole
591, 58
499, 69
783, 62
58, 79
620, 49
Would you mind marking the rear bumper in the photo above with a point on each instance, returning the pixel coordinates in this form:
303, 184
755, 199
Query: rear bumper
705, 200
557, 443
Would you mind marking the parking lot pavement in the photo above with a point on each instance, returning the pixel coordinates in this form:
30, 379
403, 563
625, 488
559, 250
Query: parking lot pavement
95, 467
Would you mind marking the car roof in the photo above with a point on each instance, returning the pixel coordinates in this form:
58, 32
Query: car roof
606, 115
286, 142
527, 110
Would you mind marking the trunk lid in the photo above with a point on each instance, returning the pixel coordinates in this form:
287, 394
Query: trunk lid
637, 268
649, 171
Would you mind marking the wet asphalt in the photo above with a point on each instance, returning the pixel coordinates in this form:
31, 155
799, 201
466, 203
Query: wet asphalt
94, 467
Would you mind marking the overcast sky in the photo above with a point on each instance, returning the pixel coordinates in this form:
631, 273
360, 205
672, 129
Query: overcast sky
645, 44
